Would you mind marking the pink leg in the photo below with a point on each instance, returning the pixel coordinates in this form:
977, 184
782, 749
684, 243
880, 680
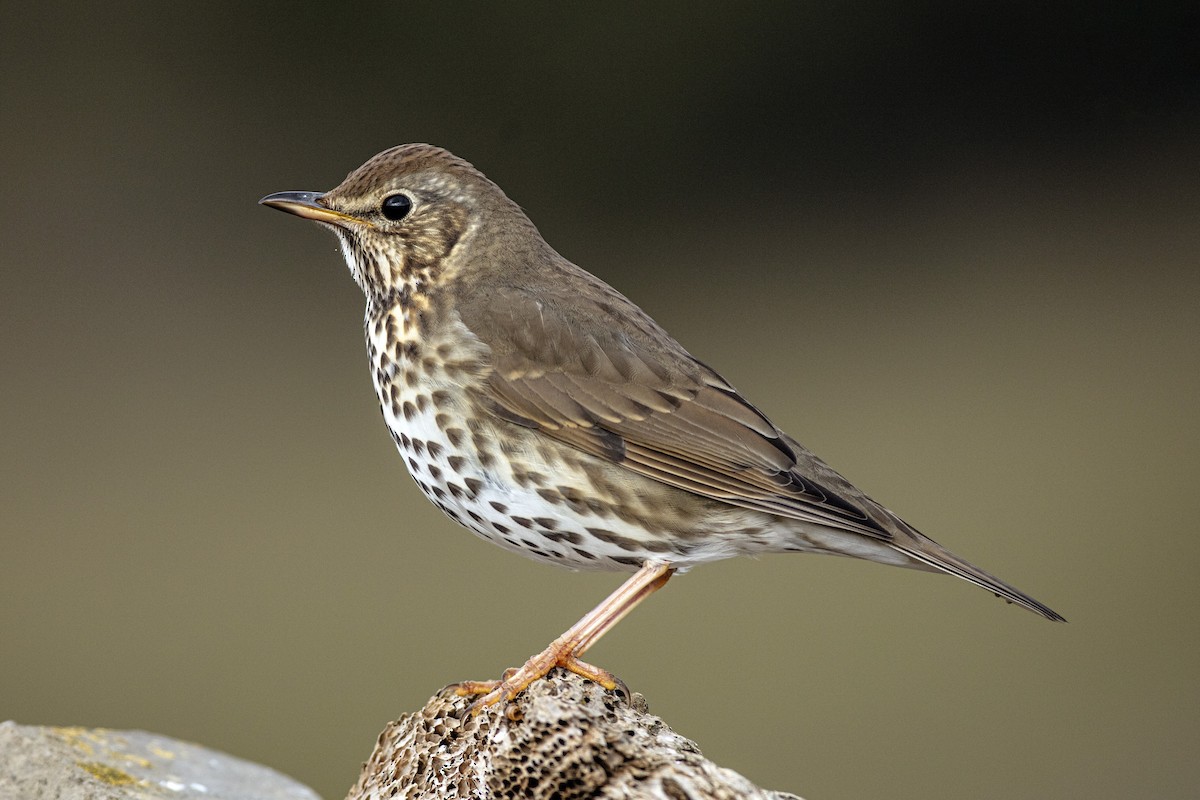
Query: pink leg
566, 649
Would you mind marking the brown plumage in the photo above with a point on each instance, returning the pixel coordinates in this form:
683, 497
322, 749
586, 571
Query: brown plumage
544, 411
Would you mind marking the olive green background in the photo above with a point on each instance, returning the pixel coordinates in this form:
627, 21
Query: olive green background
952, 248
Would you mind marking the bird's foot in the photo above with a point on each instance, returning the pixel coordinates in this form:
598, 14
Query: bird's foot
560, 653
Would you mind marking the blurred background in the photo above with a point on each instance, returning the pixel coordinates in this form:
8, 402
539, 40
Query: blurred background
953, 250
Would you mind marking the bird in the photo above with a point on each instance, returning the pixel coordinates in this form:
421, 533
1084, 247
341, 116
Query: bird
541, 409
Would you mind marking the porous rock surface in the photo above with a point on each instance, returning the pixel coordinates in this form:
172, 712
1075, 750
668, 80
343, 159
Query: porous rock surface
564, 738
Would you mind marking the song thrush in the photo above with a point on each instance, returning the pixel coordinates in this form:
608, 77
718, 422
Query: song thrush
542, 410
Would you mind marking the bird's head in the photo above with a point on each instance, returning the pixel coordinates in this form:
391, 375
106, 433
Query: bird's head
405, 218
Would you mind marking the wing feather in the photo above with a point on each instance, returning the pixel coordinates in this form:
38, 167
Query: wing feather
639, 399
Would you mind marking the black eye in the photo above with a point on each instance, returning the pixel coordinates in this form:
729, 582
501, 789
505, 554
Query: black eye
396, 206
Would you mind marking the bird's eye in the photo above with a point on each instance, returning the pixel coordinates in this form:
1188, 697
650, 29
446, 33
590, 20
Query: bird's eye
396, 206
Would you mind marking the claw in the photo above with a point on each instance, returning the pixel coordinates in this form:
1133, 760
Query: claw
516, 681
565, 651
468, 688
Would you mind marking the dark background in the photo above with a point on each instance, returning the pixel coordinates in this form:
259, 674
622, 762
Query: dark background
952, 248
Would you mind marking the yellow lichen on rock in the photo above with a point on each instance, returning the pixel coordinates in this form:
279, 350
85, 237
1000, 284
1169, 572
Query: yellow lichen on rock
108, 774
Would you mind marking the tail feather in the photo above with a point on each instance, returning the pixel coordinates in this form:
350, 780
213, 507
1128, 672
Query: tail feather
935, 556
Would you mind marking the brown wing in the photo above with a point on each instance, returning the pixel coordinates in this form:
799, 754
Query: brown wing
592, 370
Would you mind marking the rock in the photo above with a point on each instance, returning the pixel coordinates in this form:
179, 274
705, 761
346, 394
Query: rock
564, 737
43, 763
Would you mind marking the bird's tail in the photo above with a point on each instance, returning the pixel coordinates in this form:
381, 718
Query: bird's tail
936, 557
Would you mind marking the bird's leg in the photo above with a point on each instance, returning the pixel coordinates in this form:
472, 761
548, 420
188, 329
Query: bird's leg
566, 649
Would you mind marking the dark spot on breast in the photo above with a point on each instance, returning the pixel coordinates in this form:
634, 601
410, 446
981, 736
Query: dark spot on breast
459, 492
404, 297
626, 515
546, 523
441, 420
439, 492
474, 484
435, 449
547, 454
584, 554
418, 446
598, 508
615, 539
601, 485
423, 402
501, 529
563, 536
409, 410
629, 562
550, 496
530, 477
456, 436
435, 472
456, 463
524, 522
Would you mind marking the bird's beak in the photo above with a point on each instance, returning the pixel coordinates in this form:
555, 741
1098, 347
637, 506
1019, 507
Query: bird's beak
309, 206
